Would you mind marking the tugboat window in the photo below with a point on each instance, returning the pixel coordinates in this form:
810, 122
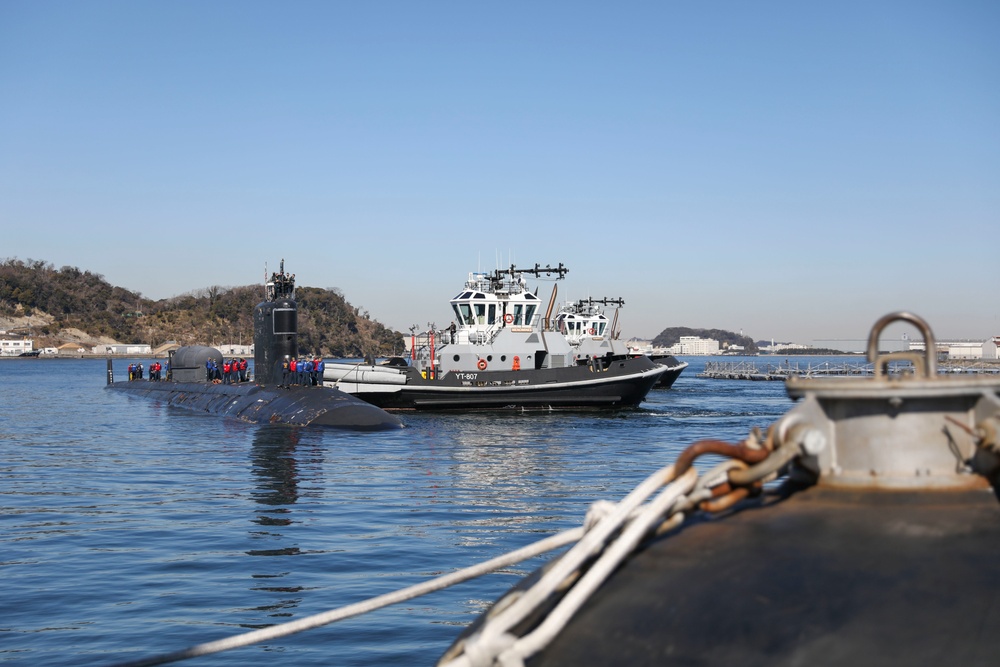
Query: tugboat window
481, 313
464, 313
493, 314
455, 358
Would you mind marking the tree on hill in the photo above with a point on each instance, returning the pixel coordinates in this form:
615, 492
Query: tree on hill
672, 335
76, 299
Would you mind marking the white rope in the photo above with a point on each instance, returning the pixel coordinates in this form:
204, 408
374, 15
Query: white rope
612, 557
365, 606
493, 645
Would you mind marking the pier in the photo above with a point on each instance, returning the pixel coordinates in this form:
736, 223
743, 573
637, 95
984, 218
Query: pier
768, 371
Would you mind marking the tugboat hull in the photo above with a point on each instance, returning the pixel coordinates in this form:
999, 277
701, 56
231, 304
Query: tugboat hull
675, 368
624, 384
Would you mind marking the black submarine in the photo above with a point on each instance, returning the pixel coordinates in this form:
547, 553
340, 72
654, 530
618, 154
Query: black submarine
263, 401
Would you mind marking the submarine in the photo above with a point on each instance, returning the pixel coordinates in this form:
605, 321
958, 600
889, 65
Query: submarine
862, 530
264, 400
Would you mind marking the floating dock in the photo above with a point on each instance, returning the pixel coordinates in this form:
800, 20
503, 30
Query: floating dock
767, 371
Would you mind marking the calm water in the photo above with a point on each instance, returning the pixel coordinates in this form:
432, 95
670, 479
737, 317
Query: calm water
132, 529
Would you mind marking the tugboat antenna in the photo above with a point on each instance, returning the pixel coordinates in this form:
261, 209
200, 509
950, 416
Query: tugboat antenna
538, 270
606, 301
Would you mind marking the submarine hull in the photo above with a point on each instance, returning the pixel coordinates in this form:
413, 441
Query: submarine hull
256, 404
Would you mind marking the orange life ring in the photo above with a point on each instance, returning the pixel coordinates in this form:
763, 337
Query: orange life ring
508, 318
517, 364
481, 364
591, 331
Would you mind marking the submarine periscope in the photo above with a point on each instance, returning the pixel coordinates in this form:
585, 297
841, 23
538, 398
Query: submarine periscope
265, 400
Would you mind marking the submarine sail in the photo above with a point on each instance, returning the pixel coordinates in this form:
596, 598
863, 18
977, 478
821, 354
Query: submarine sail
275, 327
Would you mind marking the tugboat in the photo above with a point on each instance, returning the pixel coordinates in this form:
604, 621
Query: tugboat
863, 529
669, 360
265, 400
587, 328
500, 353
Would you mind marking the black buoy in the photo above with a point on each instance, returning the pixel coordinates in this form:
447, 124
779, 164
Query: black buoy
876, 546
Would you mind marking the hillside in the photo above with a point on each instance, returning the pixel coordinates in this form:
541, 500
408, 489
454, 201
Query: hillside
672, 336
56, 306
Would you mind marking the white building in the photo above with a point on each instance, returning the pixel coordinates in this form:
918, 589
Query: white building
234, 350
130, 348
694, 345
964, 349
13, 347
777, 348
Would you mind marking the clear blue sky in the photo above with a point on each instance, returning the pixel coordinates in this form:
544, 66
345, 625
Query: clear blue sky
793, 170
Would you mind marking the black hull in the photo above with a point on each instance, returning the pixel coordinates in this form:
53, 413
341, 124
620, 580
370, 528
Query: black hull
676, 368
249, 402
624, 384
823, 578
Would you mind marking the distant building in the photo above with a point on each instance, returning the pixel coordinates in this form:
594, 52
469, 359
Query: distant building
694, 345
13, 347
166, 349
72, 348
234, 350
963, 349
123, 349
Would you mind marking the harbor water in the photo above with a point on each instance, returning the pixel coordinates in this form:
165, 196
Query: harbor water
131, 529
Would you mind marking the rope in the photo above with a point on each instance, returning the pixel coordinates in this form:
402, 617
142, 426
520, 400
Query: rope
493, 644
610, 533
365, 606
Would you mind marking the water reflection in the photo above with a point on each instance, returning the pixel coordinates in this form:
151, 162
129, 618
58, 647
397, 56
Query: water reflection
505, 473
275, 469
274, 466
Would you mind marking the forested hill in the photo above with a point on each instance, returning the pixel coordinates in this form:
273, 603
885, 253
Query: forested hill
56, 306
672, 335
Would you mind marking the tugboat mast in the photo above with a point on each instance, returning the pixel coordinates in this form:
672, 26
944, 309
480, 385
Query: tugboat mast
500, 275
